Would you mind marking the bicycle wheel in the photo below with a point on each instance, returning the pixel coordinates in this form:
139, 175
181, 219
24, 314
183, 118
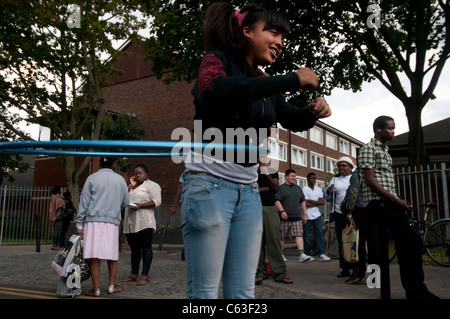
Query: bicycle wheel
437, 242
331, 242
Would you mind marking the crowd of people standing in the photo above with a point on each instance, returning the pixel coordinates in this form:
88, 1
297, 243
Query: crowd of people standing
228, 227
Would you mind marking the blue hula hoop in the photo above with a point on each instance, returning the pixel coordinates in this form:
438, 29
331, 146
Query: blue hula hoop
42, 147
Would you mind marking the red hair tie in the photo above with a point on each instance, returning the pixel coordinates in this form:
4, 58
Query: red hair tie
240, 16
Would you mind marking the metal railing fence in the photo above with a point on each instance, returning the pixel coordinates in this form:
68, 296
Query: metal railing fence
21, 207
24, 215
424, 185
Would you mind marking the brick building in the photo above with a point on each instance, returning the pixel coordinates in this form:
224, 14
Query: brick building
316, 150
162, 108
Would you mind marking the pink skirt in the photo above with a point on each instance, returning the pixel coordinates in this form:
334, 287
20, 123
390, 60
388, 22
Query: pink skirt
101, 241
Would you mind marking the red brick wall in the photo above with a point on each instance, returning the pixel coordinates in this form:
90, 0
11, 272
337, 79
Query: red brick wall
50, 171
160, 109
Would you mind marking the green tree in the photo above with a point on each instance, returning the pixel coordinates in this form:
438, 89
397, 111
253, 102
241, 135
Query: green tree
121, 126
404, 46
54, 58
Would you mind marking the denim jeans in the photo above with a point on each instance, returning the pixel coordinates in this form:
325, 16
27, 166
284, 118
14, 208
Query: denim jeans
222, 227
316, 224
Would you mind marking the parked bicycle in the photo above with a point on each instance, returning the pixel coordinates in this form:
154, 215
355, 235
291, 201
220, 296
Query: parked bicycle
435, 237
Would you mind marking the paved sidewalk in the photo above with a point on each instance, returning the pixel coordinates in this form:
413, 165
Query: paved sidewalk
22, 266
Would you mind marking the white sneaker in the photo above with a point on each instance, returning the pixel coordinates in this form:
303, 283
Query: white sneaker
303, 258
284, 258
324, 257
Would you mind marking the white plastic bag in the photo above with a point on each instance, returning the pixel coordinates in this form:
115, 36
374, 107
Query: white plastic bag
65, 255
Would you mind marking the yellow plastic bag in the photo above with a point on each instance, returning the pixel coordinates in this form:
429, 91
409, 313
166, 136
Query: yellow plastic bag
350, 239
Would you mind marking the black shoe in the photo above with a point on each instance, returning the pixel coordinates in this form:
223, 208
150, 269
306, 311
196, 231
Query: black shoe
344, 273
354, 280
421, 294
426, 294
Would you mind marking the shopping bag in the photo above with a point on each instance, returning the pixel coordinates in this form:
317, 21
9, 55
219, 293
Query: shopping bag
62, 253
65, 255
350, 239
63, 290
83, 267
71, 267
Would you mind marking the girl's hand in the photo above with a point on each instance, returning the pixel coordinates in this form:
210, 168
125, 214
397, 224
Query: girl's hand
308, 79
319, 108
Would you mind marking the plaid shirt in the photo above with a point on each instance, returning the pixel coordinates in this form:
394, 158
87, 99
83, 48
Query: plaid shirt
374, 155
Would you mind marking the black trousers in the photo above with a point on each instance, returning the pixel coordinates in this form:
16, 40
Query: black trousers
362, 222
408, 244
141, 247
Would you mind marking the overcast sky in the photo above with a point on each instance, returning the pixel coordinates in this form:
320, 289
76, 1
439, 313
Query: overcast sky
354, 113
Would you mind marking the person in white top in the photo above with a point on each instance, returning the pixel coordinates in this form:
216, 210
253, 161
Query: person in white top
314, 199
335, 192
139, 222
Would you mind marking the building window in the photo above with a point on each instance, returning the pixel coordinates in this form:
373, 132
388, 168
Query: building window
316, 135
300, 182
298, 156
303, 134
317, 162
331, 165
320, 184
354, 150
344, 147
277, 150
331, 141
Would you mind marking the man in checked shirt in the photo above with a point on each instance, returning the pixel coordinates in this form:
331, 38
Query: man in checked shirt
387, 210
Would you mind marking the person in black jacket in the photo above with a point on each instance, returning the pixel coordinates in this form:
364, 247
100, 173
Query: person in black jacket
221, 207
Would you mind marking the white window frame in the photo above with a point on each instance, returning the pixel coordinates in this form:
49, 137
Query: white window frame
281, 178
354, 150
328, 168
328, 138
320, 184
316, 161
275, 150
304, 156
300, 181
303, 134
344, 146
313, 132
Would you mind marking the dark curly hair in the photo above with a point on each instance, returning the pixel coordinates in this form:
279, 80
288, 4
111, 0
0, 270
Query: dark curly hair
221, 27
